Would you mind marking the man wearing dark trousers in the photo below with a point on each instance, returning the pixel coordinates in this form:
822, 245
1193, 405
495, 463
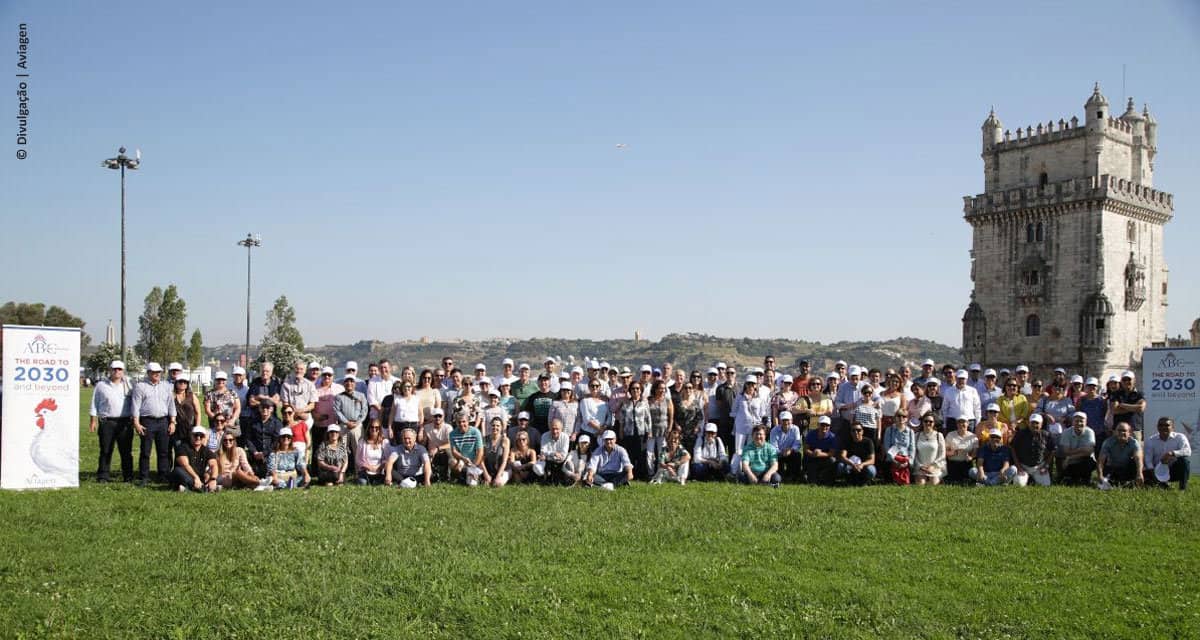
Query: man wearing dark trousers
153, 410
110, 413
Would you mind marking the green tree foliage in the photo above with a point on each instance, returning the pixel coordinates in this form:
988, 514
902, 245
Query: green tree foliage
195, 352
281, 325
36, 314
282, 354
161, 326
103, 356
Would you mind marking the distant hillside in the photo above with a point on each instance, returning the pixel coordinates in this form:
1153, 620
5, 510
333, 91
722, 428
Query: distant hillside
691, 350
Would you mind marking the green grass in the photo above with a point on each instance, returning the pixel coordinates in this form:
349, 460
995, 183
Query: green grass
648, 561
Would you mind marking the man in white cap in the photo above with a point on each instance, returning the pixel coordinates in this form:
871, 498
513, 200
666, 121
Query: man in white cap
524, 385
847, 399
506, 377
437, 442
195, 464
725, 396
1121, 458
1034, 452
350, 412
989, 391
1128, 404
1023, 385
709, 459
327, 391
960, 399
1091, 403
976, 375
1076, 447
110, 413
926, 371
1168, 454
553, 452
785, 437
994, 463
820, 451
610, 465
152, 407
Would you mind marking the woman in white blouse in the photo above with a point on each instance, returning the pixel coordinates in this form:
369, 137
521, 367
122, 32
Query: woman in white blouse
930, 463
405, 412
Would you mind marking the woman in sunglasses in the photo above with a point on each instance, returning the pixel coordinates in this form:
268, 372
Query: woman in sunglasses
233, 469
285, 465
1014, 407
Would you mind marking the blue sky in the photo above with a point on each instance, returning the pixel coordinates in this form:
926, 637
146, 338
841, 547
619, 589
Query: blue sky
452, 167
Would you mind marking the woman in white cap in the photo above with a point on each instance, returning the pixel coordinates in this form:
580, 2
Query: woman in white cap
577, 460
521, 458
223, 408
709, 458
783, 398
492, 410
332, 457
594, 414
285, 465
299, 429
495, 454
566, 409
749, 410
961, 446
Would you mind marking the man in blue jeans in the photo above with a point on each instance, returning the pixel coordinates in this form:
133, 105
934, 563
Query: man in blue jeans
994, 464
610, 464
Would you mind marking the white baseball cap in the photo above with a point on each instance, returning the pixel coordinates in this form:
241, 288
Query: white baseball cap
174, 366
506, 361
314, 365
646, 369
961, 374
1079, 414
995, 433
1060, 370
549, 360
609, 434
286, 431
524, 415
1127, 374
855, 370
117, 364
824, 420
437, 411
1113, 378
1092, 381
1037, 417
992, 406
327, 370
154, 367
989, 372
592, 364
239, 371
333, 428
349, 376
1022, 369
975, 366
493, 392
785, 415
199, 429
604, 365
351, 365
928, 362
721, 365
751, 378
481, 367
712, 371
787, 378
578, 370
585, 438
710, 427
524, 366
831, 375
840, 363
1077, 378
221, 375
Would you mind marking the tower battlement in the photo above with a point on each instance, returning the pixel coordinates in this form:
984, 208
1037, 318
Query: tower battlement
1067, 192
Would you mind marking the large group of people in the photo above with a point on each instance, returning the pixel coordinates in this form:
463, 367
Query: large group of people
605, 426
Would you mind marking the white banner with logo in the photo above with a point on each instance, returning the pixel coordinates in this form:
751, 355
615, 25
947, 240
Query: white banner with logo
1171, 384
39, 441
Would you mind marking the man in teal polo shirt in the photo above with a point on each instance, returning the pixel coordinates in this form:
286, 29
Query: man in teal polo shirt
760, 460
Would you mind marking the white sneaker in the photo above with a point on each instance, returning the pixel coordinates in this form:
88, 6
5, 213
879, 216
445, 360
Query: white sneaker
608, 486
471, 482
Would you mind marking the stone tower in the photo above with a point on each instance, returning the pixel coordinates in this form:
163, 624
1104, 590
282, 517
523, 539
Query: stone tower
1066, 250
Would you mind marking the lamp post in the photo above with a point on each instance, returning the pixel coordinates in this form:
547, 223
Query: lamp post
250, 242
123, 162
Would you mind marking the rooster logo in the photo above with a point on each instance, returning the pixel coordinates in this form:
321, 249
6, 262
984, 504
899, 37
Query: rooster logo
45, 406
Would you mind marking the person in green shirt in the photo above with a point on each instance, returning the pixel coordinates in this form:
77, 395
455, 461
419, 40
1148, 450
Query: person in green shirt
523, 387
760, 460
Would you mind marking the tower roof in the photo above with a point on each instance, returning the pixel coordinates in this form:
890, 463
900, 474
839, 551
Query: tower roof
1097, 98
1131, 113
1146, 114
992, 121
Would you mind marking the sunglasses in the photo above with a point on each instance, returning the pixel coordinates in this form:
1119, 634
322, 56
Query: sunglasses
229, 440
197, 435
289, 437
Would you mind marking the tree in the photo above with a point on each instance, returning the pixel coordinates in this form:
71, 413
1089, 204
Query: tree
282, 354
281, 325
195, 352
161, 326
35, 314
103, 356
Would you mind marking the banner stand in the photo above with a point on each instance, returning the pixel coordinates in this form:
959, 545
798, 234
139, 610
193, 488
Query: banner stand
39, 441
1171, 385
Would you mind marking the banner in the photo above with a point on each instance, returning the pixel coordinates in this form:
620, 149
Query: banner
39, 441
1171, 384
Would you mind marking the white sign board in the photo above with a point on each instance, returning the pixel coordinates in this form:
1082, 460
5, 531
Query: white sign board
1171, 384
39, 444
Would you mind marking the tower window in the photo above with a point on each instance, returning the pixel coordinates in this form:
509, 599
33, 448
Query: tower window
1033, 325
1032, 277
1043, 179
1131, 231
1041, 232
1099, 115
1099, 323
1029, 233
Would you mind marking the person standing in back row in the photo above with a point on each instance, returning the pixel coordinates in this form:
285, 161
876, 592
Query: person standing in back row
110, 411
153, 411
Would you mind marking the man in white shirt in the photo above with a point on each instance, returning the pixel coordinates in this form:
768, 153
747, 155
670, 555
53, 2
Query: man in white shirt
960, 399
506, 376
1170, 449
378, 388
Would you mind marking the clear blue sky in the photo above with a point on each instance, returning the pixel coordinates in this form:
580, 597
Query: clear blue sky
452, 167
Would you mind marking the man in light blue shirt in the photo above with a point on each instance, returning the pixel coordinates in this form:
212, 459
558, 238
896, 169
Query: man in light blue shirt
153, 411
110, 414
785, 437
610, 464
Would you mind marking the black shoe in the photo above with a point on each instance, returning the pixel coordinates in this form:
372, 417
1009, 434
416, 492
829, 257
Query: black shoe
102, 480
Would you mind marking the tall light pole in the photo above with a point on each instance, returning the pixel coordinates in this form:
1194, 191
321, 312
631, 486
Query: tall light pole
123, 162
250, 242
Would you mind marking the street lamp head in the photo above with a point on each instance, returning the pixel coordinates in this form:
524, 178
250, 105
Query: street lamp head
251, 241
111, 163
121, 150
132, 164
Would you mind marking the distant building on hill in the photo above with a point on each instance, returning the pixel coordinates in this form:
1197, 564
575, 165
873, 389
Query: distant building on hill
1067, 248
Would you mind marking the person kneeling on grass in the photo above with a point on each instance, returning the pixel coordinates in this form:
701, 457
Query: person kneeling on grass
673, 461
552, 454
1076, 447
285, 465
820, 449
332, 457
372, 456
709, 460
196, 465
466, 452
1120, 460
610, 465
233, 470
1171, 450
577, 462
993, 465
760, 460
1034, 451
409, 464
961, 446
857, 460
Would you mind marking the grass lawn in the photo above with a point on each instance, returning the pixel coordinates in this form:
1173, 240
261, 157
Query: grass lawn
649, 561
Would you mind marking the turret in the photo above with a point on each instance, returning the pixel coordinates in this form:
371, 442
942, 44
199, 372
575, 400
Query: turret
1133, 118
1096, 109
992, 130
1151, 128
